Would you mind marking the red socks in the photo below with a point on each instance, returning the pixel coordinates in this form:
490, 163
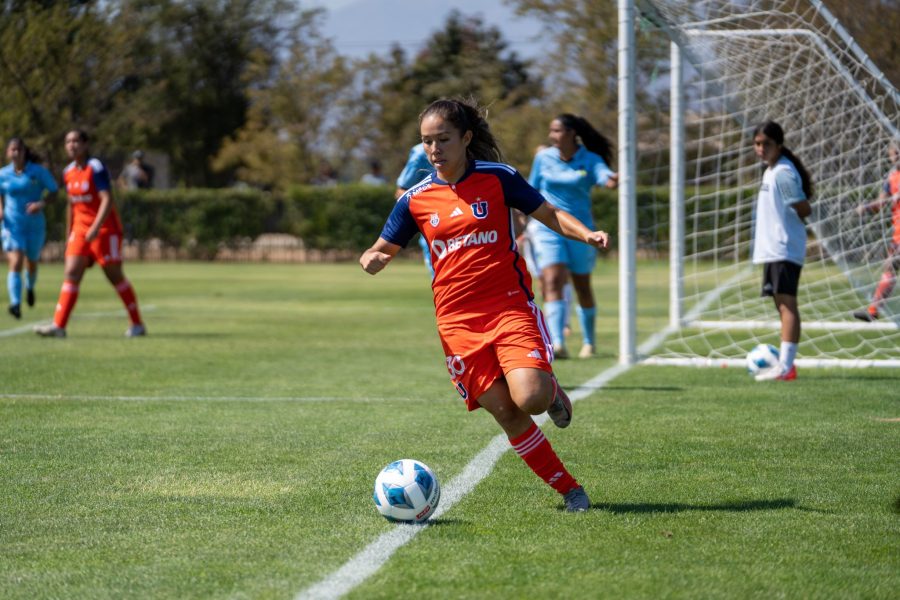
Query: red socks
538, 454
884, 289
68, 295
126, 293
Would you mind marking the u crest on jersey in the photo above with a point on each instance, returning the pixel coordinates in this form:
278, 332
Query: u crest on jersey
480, 209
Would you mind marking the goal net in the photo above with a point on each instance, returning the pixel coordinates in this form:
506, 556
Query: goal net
741, 63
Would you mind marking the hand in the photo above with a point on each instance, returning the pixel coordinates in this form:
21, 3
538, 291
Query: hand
34, 207
600, 239
860, 210
373, 261
91, 235
612, 182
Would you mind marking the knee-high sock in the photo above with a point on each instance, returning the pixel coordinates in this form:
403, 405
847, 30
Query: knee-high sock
883, 291
587, 318
787, 354
538, 454
129, 299
30, 279
555, 315
14, 287
68, 296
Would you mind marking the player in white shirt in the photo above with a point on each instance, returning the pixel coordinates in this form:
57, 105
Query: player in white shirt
779, 241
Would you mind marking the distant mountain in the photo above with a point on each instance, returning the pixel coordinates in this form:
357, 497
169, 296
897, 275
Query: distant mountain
360, 27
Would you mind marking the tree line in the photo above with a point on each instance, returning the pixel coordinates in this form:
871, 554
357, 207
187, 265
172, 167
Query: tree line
251, 92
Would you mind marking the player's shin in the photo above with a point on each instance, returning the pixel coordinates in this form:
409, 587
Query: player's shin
538, 454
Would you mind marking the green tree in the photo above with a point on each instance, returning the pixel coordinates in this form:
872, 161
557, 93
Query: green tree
202, 58
292, 103
463, 59
62, 65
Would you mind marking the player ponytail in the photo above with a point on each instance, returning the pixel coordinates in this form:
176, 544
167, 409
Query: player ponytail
467, 116
774, 132
592, 139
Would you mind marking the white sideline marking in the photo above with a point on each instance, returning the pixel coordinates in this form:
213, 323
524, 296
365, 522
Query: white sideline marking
29, 327
379, 551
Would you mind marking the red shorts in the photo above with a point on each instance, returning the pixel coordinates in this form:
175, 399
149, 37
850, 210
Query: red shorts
481, 347
105, 249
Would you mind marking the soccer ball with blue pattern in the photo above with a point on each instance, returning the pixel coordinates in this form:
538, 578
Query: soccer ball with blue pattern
762, 358
407, 491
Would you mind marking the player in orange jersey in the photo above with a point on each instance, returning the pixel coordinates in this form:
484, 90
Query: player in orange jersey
889, 197
95, 235
495, 340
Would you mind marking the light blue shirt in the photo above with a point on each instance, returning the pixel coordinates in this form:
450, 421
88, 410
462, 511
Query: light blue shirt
21, 189
567, 184
416, 169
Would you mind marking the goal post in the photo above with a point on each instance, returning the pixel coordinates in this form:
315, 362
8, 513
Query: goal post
732, 66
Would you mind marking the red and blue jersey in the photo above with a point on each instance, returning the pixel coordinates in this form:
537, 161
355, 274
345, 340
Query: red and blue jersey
469, 227
892, 189
83, 186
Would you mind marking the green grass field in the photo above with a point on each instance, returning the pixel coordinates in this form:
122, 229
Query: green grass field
231, 454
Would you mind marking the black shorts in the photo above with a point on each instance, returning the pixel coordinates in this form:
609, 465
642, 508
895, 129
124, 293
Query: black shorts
782, 277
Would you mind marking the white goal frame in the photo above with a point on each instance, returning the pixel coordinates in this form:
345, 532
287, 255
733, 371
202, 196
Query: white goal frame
678, 318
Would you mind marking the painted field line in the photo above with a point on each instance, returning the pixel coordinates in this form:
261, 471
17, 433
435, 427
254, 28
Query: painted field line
29, 327
371, 558
101, 398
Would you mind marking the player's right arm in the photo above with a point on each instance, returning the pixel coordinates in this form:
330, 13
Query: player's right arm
378, 256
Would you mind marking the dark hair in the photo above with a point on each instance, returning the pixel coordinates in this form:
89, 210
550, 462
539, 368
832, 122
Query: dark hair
467, 116
592, 139
774, 132
30, 156
82, 134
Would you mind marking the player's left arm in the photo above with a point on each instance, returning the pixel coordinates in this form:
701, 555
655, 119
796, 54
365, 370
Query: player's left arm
605, 176
568, 226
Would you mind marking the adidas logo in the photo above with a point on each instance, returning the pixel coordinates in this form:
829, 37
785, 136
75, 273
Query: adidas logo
456, 212
535, 354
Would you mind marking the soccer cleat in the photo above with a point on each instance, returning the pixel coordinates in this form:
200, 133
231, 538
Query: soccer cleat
777, 373
560, 352
560, 410
587, 351
15, 310
29, 297
790, 375
577, 500
865, 315
50, 330
136, 331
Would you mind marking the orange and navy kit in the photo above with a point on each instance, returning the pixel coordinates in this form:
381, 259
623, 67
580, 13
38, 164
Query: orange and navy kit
892, 190
487, 318
83, 186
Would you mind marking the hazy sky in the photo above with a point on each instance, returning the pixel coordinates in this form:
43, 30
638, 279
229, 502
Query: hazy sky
359, 27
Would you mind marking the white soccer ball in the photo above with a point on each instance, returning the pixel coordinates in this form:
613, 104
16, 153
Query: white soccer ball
762, 358
407, 491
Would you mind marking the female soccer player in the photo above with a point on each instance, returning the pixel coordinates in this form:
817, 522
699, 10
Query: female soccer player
95, 236
25, 189
493, 336
889, 196
779, 241
565, 173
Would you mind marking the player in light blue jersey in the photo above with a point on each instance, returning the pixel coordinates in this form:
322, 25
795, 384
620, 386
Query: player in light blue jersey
25, 189
416, 169
565, 173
